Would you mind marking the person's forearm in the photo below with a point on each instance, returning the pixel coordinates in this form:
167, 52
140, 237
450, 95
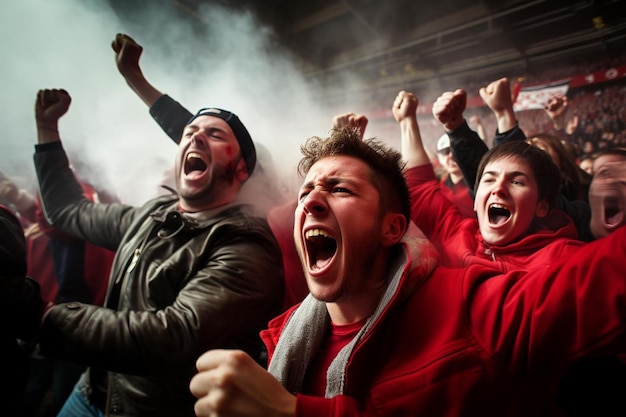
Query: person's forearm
480, 129
506, 120
171, 116
412, 146
467, 148
146, 91
558, 123
516, 133
47, 133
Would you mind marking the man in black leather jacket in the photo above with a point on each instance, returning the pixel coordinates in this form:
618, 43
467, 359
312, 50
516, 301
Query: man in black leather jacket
192, 272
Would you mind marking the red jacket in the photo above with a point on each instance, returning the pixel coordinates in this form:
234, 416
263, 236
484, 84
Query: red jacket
281, 220
96, 260
460, 243
463, 342
459, 194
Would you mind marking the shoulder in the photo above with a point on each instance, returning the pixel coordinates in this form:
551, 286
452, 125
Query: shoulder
242, 215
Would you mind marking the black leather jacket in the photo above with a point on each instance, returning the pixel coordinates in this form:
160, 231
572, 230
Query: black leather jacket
180, 285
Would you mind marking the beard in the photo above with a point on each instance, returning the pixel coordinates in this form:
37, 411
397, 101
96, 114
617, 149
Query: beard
222, 179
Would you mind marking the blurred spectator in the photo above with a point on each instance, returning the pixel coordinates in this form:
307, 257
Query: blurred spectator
452, 182
21, 305
586, 163
574, 181
67, 269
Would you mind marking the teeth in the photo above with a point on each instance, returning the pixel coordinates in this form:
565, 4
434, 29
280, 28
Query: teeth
316, 232
193, 155
499, 206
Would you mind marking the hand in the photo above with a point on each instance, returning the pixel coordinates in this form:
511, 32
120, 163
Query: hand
49, 107
230, 383
448, 109
33, 232
556, 106
351, 120
497, 95
404, 106
555, 109
127, 54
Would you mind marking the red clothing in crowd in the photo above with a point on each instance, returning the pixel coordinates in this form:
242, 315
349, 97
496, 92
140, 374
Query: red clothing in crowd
96, 260
459, 194
460, 243
461, 342
281, 221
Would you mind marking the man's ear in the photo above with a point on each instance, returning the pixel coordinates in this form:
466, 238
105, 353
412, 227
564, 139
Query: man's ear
542, 209
394, 226
242, 171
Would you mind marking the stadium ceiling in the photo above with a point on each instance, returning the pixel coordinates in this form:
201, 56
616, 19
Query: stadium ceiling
404, 44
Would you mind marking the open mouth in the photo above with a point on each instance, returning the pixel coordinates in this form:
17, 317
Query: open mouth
321, 248
195, 163
498, 214
613, 214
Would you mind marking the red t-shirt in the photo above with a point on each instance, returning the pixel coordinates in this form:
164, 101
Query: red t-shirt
336, 338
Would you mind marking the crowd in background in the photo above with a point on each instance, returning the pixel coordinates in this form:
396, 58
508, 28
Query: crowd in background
593, 120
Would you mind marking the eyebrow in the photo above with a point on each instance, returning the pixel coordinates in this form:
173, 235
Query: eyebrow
510, 174
329, 181
209, 130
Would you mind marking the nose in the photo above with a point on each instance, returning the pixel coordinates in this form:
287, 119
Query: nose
449, 158
315, 203
499, 187
198, 138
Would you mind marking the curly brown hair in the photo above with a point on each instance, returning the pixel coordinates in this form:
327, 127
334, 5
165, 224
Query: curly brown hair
386, 164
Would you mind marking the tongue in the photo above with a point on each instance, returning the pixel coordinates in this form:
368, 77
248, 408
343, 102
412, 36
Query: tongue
498, 218
323, 258
614, 218
498, 215
194, 174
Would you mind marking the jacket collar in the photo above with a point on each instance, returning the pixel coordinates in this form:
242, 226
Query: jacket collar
414, 261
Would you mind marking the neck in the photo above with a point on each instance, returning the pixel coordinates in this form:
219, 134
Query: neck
352, 309
456, 178
224, 197
185, 207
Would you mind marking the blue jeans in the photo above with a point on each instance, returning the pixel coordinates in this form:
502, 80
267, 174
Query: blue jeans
78, 405
49, 376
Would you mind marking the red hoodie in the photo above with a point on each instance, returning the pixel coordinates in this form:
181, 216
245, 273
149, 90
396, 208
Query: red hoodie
462, 341
460, 243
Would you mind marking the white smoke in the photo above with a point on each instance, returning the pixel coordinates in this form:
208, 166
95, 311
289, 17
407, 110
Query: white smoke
232, 62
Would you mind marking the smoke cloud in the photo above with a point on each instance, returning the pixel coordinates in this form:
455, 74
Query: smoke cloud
225, 59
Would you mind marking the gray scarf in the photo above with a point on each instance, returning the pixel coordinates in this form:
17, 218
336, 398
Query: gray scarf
305, 330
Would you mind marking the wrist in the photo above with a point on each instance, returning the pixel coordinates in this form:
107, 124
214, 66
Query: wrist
453, 125
408, 122
48, 128
47, 134
506, 121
